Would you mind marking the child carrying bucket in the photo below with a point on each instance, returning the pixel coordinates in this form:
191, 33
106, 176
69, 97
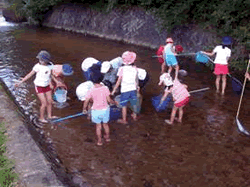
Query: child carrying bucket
42, 84
128, 79
100, 111
181, 98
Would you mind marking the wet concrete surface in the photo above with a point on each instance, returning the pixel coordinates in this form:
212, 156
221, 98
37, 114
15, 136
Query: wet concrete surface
204, 150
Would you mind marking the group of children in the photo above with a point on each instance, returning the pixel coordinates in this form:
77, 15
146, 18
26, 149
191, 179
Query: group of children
104, 78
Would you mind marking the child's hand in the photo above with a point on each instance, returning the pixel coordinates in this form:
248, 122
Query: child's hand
84, 111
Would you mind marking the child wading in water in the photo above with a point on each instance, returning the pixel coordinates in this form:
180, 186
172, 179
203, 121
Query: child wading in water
181, 98
100, 111
128, 79
42, 84
169, 57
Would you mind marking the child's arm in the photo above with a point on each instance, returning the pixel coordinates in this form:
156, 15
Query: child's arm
30, 74
207, 53
164, 96
85, 104
111, 101
118, 82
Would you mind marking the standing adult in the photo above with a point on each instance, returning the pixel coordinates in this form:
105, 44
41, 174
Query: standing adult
223, 53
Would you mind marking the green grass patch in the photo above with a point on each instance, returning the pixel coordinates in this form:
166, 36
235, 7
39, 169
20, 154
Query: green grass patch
8, 177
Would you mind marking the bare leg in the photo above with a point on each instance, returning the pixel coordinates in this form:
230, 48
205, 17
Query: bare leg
124, 116
170, 69
224, 84
177, 68
43, 101
163, 67
106, 129
217, 83
173, 113
49, 103
180, 114
99, 133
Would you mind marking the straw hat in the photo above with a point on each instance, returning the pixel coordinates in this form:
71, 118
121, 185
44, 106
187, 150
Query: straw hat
128, 57
105, 67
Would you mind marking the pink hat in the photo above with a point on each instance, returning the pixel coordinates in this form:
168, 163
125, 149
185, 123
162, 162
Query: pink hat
128, 57
169, 40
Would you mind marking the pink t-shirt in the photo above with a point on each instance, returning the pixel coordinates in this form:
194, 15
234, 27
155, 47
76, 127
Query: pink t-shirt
179, 91
99, 96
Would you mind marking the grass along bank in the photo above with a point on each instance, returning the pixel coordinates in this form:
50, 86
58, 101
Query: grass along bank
7, 175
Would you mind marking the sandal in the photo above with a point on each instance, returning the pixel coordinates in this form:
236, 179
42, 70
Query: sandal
107, 139
99, 143
168, 122
134, 117
43, 120
54, 117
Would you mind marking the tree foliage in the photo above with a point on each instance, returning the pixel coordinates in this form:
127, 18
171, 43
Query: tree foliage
228, 17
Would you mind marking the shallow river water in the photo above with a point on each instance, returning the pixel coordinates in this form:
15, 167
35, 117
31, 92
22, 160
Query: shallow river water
206, 149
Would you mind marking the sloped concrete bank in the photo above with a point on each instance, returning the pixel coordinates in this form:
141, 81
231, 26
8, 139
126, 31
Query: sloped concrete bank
36, 168
132, 25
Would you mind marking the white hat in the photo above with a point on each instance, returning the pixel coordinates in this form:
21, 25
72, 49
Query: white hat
88, 62
167, 79
105, 66
141, 73
83, 89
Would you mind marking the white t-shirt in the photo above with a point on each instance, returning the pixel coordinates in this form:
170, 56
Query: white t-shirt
221, 54
83, 88
166, 79
141, 74
88, 62
116, 62
42, 75
129, 75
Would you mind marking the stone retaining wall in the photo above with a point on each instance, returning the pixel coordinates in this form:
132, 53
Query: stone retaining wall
133, 26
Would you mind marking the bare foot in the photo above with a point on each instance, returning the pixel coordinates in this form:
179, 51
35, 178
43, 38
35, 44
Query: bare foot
107, 139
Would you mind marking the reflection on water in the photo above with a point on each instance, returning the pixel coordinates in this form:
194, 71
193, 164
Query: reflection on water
204, 150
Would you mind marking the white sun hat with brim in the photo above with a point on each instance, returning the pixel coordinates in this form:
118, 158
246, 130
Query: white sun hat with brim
83, 89
105, 67
166, 79
88, 62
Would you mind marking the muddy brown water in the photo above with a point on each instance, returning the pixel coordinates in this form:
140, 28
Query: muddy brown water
204, 150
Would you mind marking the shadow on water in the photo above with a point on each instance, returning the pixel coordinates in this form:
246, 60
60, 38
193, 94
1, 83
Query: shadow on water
204, 150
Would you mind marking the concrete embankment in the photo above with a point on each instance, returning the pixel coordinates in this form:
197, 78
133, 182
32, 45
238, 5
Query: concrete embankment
31, 165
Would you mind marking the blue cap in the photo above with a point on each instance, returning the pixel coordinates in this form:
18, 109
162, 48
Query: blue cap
226, 40
67, 70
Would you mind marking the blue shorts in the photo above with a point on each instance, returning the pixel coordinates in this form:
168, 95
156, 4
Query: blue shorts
98, 116
130, 96
171, 60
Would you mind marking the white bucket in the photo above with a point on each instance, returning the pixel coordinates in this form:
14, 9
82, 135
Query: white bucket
60, 95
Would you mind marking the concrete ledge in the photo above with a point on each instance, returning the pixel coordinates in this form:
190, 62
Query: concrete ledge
31, 165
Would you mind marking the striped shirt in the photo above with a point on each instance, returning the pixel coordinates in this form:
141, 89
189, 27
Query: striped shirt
179, 91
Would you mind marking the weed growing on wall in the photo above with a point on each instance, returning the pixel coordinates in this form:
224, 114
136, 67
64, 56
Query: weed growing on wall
7, 175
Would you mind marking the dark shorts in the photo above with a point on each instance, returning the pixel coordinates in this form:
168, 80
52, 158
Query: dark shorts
40, 89
126, 97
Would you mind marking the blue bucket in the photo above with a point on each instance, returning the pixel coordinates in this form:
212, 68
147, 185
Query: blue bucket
201, 57
60, 95
156, 101
115, 113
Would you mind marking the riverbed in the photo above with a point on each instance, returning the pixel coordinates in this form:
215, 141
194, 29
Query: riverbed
206, 149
